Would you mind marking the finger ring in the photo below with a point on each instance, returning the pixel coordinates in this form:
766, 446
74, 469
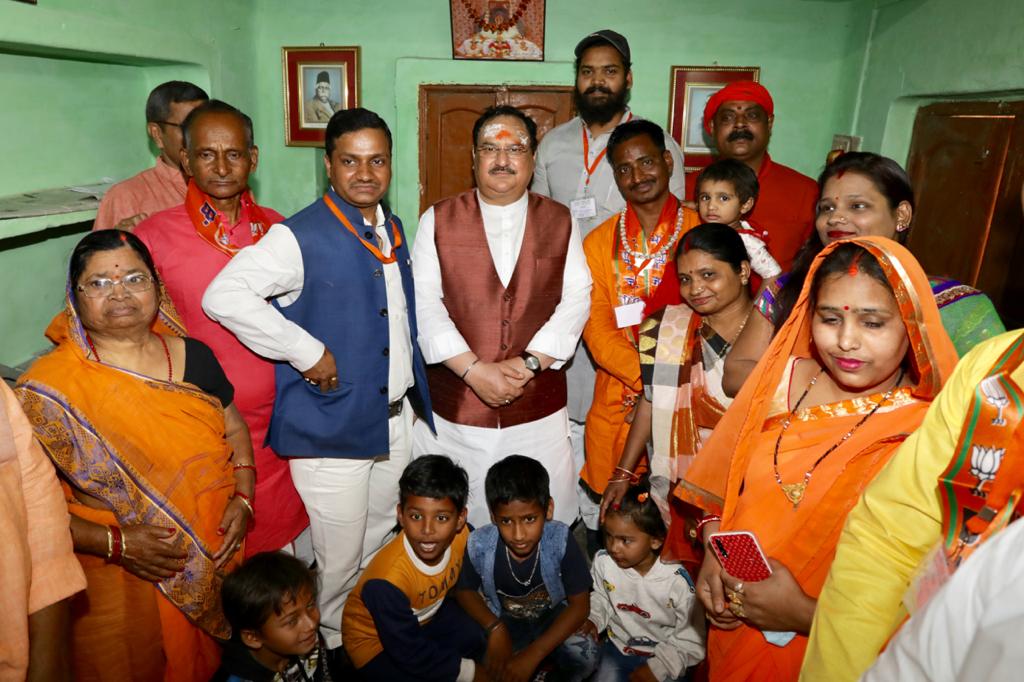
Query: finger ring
334, 378
735, 598
309, 381
739, 587
737, 610
508, 401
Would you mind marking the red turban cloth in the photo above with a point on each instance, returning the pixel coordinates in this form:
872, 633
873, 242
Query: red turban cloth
741, 91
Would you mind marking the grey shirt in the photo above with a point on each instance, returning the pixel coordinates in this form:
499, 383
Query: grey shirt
561, 174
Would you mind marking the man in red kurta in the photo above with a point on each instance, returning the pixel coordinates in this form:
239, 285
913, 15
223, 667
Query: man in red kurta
190, 244
739, 118
131, 201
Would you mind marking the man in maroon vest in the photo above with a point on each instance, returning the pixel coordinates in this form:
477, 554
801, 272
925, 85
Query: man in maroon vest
502, 294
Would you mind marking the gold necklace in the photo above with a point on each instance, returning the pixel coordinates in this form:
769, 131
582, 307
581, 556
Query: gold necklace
722, 348
794, 492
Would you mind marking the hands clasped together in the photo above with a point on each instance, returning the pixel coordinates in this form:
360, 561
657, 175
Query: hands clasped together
498, 383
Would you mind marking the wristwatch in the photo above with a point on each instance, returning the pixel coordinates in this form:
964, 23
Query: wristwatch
532, 362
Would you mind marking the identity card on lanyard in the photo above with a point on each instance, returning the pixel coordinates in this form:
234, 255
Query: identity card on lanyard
586, 205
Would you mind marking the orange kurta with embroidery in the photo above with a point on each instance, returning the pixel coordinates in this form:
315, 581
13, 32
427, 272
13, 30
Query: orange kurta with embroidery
733, 476
614, 350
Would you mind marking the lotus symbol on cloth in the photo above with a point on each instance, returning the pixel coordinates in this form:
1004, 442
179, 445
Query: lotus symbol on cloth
985, 462
996, 397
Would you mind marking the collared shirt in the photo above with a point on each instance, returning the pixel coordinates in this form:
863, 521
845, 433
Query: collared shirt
38, 564
273, 268
505, 226
561, 174
149, 192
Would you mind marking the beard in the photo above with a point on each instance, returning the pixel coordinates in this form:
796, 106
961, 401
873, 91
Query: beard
600, 112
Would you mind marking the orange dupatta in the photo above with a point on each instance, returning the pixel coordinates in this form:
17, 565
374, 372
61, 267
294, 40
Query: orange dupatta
155, 453
733, 475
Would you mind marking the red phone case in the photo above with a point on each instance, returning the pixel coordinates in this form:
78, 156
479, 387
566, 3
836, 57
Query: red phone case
740, 555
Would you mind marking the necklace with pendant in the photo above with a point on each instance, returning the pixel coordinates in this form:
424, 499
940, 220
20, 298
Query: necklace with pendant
794, 492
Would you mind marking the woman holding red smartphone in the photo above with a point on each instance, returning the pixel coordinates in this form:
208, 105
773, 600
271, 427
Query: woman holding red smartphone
845, 380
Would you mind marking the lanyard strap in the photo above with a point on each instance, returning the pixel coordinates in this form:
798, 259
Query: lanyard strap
590, 168
396, 238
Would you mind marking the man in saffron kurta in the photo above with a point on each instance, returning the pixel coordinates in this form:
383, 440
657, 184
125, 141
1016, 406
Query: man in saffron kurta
131, 201
739, 118
653, 221
190, 244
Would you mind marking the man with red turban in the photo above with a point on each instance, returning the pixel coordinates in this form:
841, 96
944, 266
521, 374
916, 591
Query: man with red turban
739, 119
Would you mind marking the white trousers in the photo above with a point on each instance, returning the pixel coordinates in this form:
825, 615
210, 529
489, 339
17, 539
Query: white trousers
589, 511
351, 506
476, 449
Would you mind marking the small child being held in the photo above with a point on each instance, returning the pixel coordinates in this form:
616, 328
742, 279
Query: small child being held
397, 623
526, 581
648, 607
270, 602
726, 191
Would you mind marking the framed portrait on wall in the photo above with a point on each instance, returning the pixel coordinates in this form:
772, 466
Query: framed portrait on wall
508, 30
318, 81
692, 87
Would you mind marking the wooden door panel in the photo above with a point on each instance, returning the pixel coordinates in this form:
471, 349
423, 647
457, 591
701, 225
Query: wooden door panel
963, 164
953, 161
447, 115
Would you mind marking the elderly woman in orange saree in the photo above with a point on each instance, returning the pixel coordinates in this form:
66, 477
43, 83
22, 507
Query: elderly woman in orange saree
156, 463
848, 377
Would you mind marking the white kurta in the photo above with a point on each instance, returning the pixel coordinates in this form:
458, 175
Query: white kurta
546, 439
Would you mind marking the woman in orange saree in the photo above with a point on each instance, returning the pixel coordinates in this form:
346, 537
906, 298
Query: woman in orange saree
158, 509
848, 377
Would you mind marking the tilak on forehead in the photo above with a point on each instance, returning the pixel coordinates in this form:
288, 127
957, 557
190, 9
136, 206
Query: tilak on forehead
504, 131
742, 91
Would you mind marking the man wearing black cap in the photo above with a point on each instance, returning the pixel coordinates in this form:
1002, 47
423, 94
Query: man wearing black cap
320, 108
571, 169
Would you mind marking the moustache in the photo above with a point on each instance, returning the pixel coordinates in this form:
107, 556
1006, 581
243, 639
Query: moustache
742, 134
501, 169
597, 88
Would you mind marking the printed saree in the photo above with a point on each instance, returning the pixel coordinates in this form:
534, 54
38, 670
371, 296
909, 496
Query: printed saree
734, 475
155, 453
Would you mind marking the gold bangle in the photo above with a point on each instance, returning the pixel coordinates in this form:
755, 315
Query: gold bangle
252, 512
110, 543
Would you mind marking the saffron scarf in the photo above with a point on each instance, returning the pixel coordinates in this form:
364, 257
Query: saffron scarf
209, 224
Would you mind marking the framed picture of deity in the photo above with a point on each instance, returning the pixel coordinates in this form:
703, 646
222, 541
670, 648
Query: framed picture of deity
505, 30
318, 81
692, 87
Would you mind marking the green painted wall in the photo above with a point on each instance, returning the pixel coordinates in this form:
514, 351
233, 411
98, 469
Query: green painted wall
80, 72
922, 51
74, 77
810, 53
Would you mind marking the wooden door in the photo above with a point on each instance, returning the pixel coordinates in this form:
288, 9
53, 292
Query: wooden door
965, 167
447, 114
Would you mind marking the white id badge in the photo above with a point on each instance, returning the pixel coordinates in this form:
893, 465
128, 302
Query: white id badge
629, 315
584, 207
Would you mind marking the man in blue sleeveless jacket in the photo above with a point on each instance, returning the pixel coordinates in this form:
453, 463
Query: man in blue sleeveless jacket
342, 322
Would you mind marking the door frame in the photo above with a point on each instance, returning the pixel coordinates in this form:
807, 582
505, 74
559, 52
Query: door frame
500, 95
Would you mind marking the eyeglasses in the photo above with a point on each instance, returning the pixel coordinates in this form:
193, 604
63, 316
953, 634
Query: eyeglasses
515, 151
102, 287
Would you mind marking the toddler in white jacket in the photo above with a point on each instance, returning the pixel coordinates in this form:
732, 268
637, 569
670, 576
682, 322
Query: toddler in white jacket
654, 626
